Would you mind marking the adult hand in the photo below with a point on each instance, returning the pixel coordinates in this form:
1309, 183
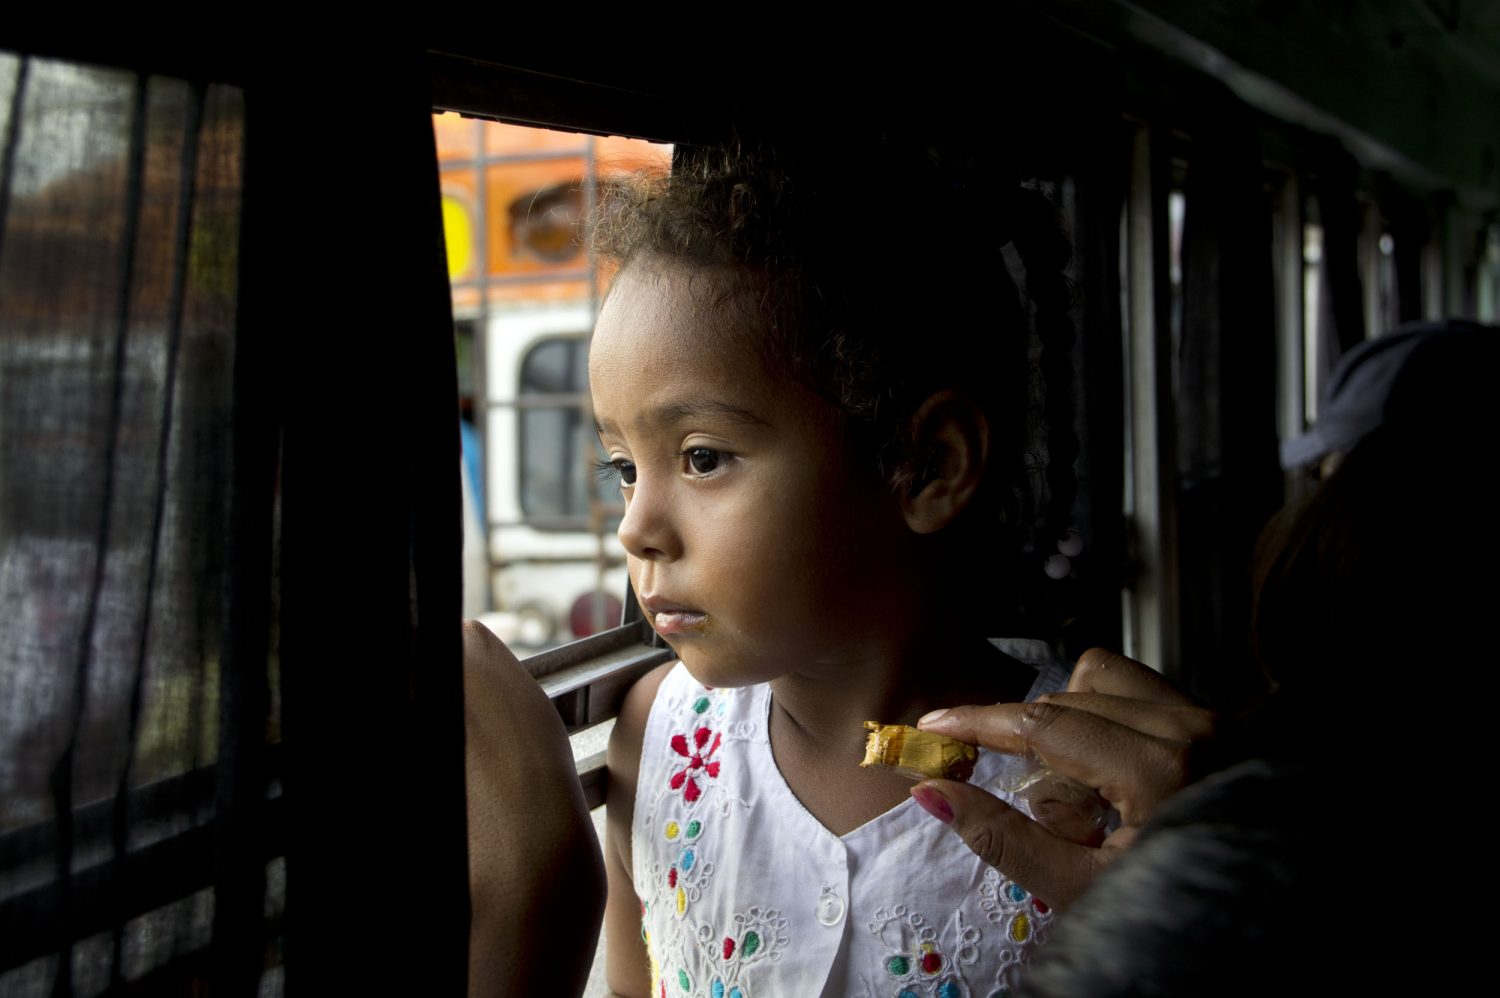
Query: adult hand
1120, 728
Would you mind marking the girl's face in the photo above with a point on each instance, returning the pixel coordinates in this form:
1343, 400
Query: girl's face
755, 547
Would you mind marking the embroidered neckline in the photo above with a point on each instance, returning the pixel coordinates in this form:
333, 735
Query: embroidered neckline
705, 952
985, 771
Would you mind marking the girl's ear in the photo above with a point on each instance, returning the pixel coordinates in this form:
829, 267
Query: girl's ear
950, 438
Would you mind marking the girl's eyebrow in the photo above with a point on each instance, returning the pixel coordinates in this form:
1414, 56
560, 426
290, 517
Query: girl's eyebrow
706, 407
674, 412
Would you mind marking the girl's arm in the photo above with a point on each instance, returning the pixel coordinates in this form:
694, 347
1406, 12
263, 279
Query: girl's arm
627, 967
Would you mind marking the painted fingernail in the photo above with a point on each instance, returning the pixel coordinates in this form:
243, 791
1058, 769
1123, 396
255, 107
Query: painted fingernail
933, 803
931, 716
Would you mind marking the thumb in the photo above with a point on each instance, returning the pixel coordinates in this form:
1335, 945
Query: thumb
1052, 868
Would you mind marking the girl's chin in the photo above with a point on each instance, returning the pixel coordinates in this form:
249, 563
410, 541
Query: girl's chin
714, 674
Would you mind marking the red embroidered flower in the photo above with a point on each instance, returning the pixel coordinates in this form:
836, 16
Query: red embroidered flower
698, 762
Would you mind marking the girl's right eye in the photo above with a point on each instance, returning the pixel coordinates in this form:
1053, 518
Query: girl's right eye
618, 468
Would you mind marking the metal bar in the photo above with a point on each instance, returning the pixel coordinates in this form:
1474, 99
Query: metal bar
613, 647
594, 776
587, 674
587, 680
533, 277
1369, 268
1152, 432
537, 156
1290, 308
543, 400
489, 90
111, 893
552, 523
12, 141
480, 353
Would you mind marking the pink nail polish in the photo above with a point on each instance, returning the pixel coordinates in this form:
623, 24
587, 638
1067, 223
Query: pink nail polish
933, 803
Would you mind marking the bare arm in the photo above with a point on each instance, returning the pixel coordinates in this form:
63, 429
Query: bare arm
534, 862
627, 966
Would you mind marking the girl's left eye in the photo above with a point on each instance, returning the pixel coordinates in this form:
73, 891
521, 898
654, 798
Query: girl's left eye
703, 459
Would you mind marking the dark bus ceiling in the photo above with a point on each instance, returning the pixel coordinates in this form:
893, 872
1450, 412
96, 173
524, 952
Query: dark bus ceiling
1410, 87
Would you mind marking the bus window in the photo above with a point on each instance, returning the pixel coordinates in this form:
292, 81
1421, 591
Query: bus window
556, 443
542, 564
1487, 290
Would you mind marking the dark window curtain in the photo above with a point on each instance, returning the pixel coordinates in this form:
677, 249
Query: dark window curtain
120, 199
228, 761
1227, 451
349, 275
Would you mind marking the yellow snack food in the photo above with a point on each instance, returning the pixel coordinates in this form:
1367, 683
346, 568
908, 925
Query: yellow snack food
918, 754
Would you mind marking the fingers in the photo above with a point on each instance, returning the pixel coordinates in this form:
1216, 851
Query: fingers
1055, 870
1120, 728
1100, 670
1132, 769
1178, 722
1004, 727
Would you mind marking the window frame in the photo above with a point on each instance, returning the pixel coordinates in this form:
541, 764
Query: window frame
586, 679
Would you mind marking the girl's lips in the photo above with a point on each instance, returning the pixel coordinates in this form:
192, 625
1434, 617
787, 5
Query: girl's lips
669, 617
678, 621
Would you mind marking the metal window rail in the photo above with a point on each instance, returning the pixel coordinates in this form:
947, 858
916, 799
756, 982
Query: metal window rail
587, 681
177, 861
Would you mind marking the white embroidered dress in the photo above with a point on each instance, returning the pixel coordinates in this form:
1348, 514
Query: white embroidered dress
746, 895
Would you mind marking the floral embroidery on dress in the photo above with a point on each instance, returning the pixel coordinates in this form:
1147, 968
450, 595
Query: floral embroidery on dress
754, 936
917, 963
688, 960
1023, 920
1009, 905
688, 872
699, 764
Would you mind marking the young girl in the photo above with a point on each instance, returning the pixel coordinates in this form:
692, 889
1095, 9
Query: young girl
814, 386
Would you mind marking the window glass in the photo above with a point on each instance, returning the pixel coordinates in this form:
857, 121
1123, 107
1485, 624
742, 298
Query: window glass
542, 563
1487, 290
558, 446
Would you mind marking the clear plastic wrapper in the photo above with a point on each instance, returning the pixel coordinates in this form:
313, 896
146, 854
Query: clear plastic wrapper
1065, 806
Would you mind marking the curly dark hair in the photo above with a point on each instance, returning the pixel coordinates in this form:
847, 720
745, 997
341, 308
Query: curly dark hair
880, 280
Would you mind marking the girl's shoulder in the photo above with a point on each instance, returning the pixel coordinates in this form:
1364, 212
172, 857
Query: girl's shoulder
625, 740
668, 697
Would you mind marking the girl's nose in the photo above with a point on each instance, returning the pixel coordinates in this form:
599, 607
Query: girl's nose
646, 530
